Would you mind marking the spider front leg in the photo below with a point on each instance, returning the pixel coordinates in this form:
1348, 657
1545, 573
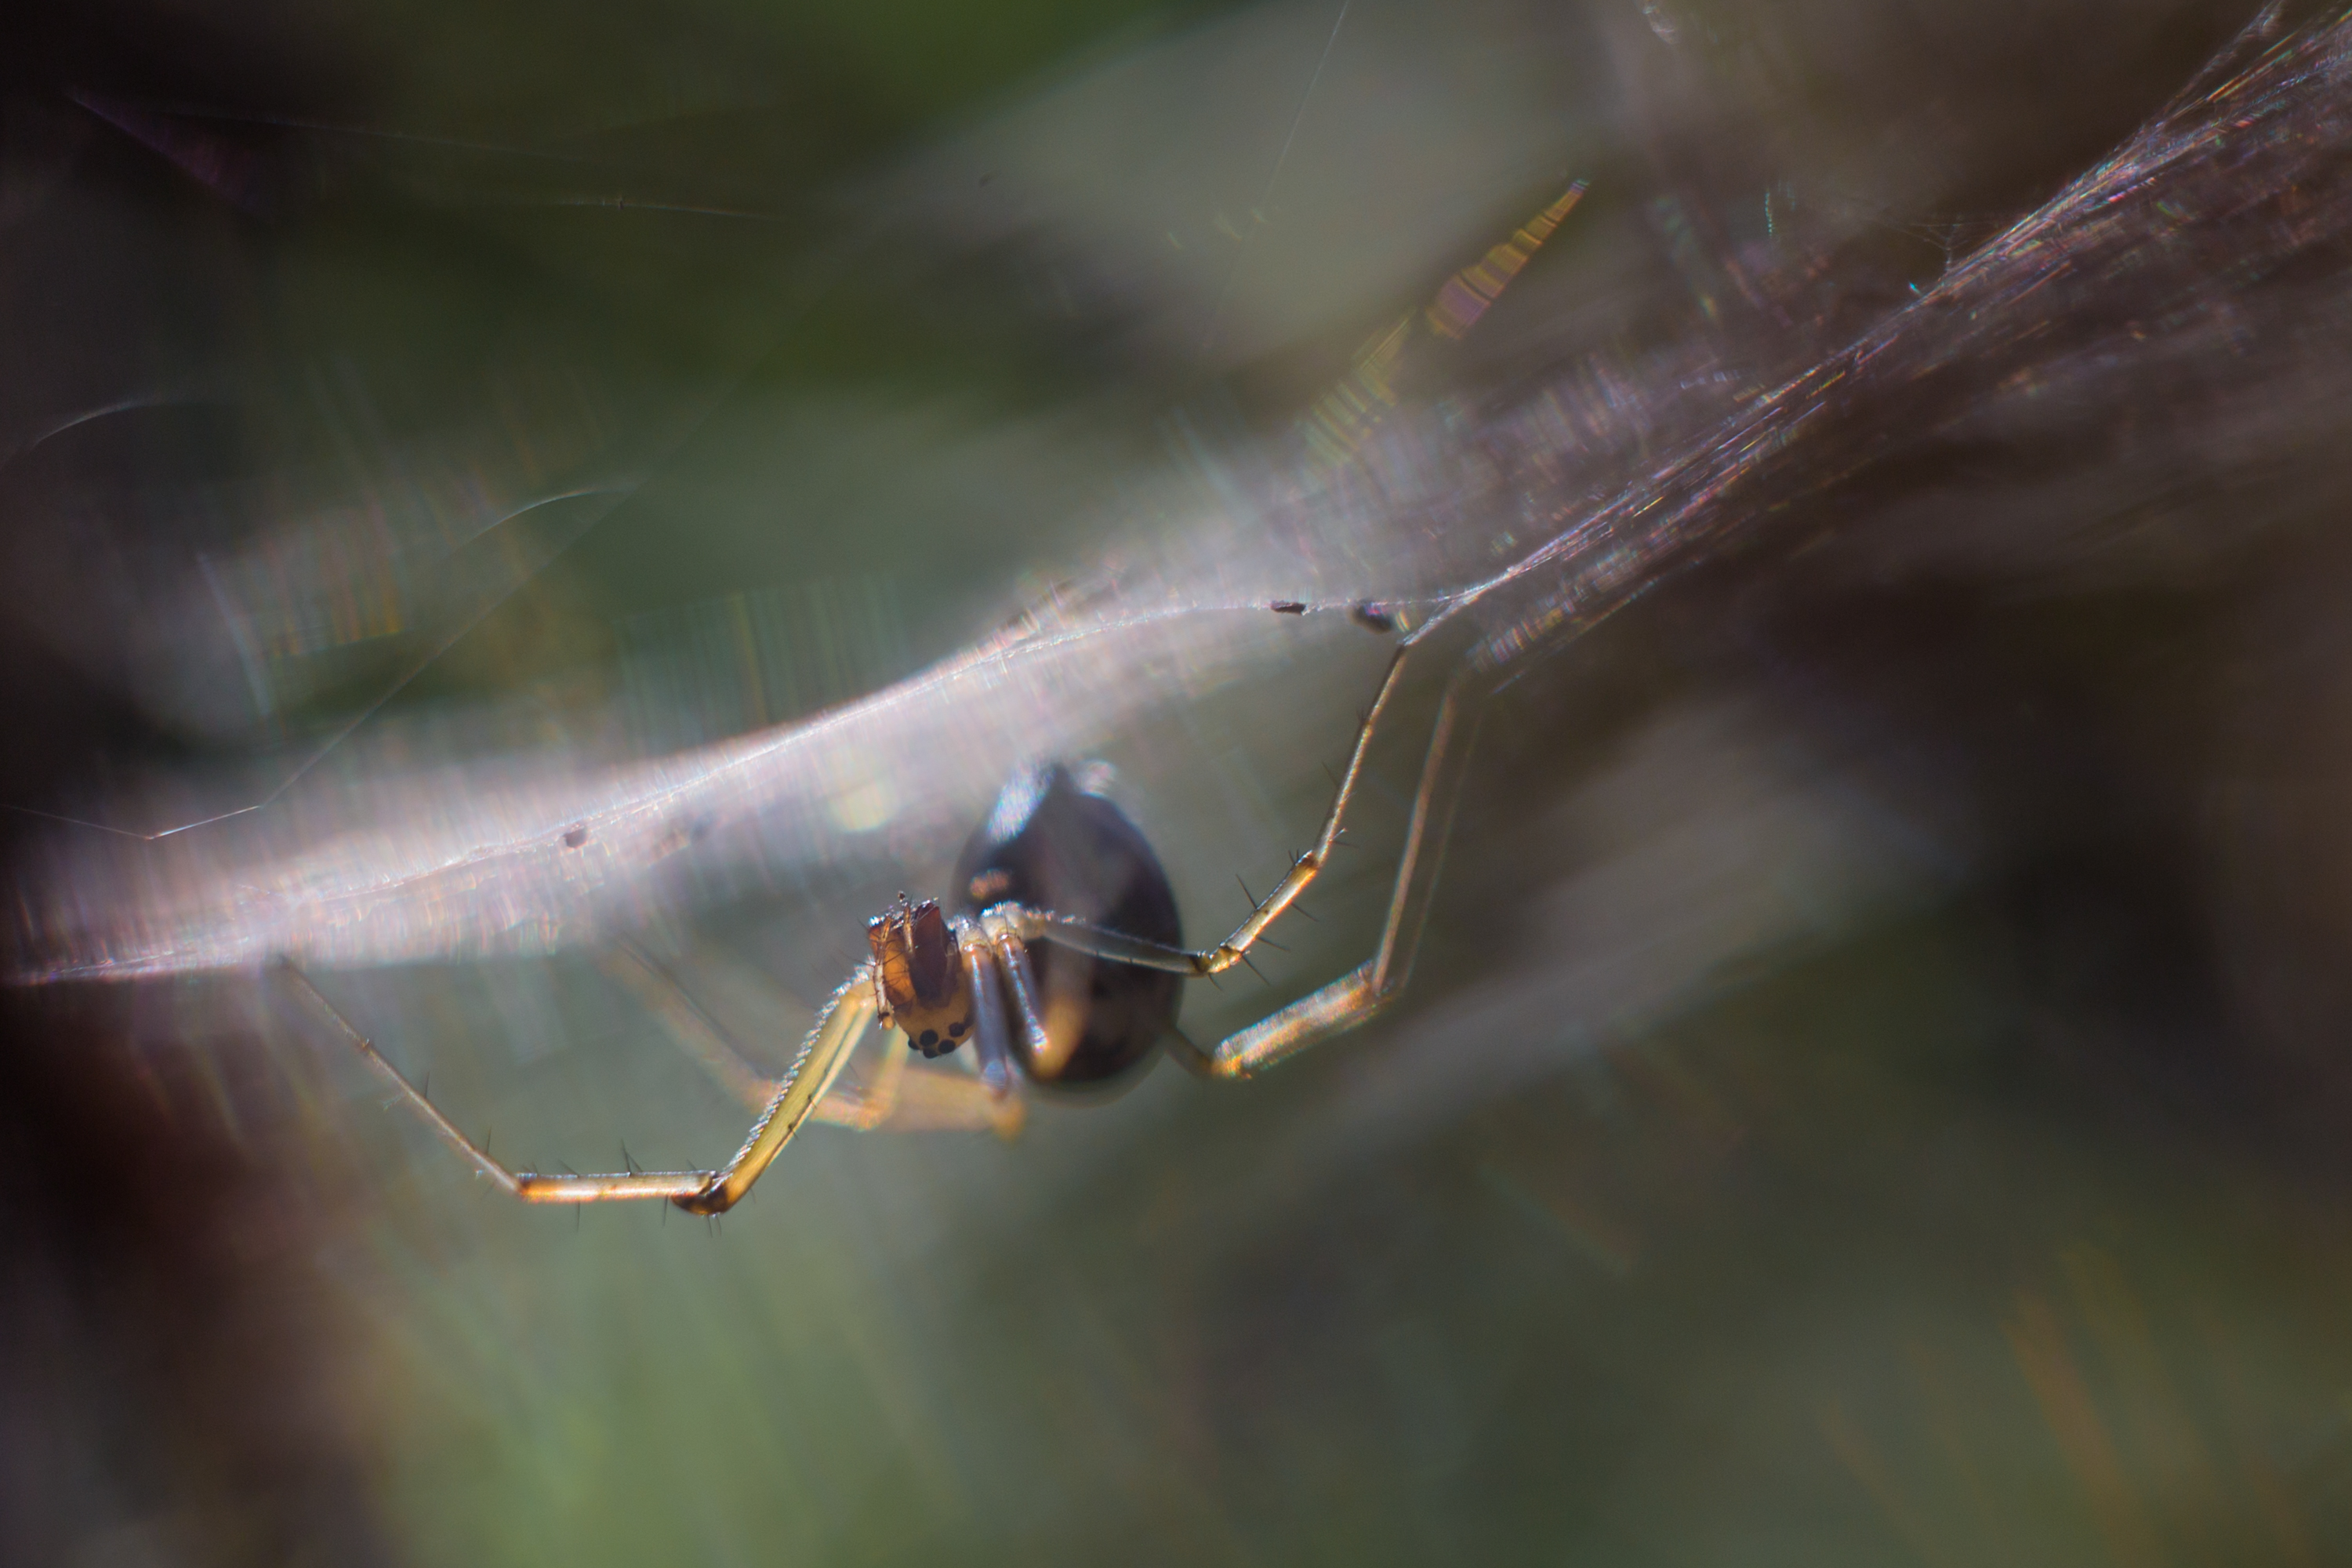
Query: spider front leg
839, 1027
888, 1096
1354, 997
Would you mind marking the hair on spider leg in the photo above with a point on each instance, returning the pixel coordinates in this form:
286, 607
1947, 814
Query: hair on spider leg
575, 1207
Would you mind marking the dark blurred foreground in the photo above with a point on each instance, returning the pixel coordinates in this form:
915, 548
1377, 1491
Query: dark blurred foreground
1874, 1091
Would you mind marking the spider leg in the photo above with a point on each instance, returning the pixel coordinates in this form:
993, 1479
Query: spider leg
1363, 991
926, 1099
1034, 924
912, 1096
866, 1105
991, 1044
903, 1094
1046, 1058
838, 1030
687, 1024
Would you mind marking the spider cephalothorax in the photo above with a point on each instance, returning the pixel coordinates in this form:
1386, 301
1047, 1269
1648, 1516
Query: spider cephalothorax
919, 976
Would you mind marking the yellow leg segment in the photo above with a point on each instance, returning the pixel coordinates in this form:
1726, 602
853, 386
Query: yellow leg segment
1354, 998
839, 1028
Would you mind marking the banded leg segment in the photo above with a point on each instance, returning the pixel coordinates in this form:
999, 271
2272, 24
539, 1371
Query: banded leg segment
838, 1030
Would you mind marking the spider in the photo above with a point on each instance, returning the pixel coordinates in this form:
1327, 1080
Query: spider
1060, 965
1062, 961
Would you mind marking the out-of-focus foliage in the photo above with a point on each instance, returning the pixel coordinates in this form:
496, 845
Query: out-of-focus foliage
1873, 1090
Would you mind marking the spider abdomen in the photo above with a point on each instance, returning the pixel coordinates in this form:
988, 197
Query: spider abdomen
1050, 845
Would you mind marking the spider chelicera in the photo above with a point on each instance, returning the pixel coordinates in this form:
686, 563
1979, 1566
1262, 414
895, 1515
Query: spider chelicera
1060, 965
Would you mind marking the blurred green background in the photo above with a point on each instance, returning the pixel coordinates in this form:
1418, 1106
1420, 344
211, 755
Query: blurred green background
1778, 1158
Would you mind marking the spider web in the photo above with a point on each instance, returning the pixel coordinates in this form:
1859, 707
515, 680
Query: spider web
1526, 503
